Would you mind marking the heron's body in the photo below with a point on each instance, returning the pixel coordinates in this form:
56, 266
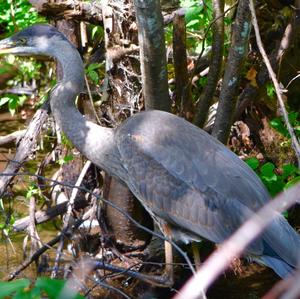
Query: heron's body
183, 176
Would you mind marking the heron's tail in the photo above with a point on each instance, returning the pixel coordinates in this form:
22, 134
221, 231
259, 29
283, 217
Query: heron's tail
281, 247
280, 267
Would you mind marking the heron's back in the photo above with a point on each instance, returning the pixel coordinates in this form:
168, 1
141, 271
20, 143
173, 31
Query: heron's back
190, 180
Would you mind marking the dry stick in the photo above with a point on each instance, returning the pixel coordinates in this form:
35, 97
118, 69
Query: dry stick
91, 99
68, 216
12, 137
180, 251
294, 139
32, 232
49, 214
39, 252
33, 257
233, 247
25, 146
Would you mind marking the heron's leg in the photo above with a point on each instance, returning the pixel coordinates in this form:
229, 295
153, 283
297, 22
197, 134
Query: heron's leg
169, 270
196, 255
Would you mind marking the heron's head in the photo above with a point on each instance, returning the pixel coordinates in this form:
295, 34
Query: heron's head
35, 40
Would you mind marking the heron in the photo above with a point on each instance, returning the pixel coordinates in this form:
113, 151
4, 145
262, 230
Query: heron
192, 185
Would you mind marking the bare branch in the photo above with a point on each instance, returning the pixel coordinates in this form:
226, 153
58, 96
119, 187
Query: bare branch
25, 146
278, 91
12, 137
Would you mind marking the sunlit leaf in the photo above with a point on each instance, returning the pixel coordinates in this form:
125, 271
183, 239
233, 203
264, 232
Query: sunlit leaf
292, 182
93, 76
289, 169
267, 170
53, 287
8, 288
252, 162
4, 100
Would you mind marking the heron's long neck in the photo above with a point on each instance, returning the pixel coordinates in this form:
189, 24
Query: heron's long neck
93, 141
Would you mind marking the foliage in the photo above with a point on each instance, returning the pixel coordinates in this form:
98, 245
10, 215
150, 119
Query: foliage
279, 125
270, 89
198, 17
65, 159
33, 190
28, 69
21, 289
17, 15
13, 102
92, 71
276, 180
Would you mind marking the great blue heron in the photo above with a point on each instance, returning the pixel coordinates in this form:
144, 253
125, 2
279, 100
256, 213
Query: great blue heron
190, 183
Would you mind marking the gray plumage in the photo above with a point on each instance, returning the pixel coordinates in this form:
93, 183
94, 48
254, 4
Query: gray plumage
182, 175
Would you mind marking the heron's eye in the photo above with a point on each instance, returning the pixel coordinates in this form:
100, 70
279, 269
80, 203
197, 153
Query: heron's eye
22, 40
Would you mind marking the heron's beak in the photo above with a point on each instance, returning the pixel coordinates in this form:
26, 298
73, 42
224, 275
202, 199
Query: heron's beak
7, 46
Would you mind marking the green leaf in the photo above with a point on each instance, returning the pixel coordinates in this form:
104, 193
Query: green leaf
292, 182
93, 76
192, 23
293, 117
8, 288
278, 125
12, 105
288, 170
4, 100
94, 66
65, 159
25, 294
53, 288
252, 162
274, 186
270, 90
267, 171
193, 13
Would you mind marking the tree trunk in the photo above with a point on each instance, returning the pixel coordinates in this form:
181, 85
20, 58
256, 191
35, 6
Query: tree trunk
233, 70
152, 54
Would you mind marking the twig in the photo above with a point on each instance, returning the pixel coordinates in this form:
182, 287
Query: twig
91, 99
25, 147
68, 216
294, 139
107, 202
49, 214
39, 252
11, 137
32, 232
236, 244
